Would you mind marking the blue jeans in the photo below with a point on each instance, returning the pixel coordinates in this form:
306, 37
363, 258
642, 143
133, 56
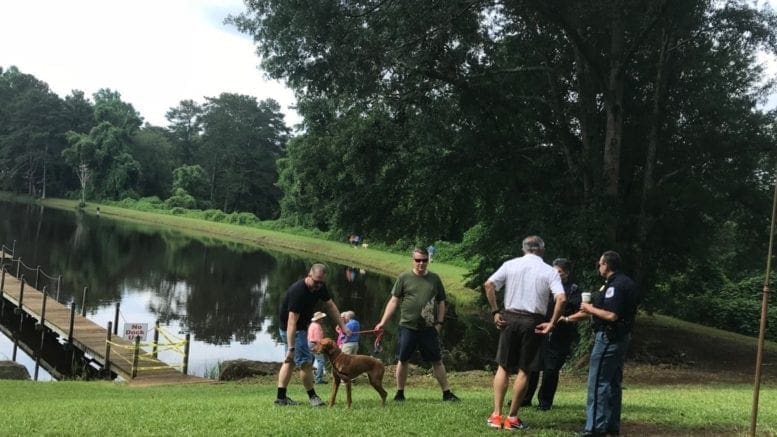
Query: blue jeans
605, 374
319, 359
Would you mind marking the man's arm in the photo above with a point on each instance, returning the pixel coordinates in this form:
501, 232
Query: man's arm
491, 296
546, 327
440, 319
598, 312
391, 306
334, 313
291, 335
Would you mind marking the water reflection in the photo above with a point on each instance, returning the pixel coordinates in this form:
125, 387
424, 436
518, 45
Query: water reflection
225, 294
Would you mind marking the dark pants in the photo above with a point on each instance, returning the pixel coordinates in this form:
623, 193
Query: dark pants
555, 351
605, 375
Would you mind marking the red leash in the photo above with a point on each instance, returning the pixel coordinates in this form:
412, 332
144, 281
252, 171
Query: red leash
378, 347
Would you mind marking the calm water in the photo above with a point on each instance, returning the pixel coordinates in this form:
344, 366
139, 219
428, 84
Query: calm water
225, 295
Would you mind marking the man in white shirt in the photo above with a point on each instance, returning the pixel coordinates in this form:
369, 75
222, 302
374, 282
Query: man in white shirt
528, 283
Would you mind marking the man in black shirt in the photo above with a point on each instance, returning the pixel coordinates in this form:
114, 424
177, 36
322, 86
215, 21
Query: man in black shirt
613, 311
295, 312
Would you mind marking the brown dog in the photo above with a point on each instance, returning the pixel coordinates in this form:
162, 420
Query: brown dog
346, 367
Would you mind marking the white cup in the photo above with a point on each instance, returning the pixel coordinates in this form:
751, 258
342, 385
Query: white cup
586, 297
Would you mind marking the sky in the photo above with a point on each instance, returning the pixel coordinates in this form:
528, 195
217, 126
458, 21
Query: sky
155, 53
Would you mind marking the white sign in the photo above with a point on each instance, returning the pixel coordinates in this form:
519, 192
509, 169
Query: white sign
132, 330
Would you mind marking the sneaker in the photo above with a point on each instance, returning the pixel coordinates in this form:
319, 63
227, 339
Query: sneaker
543, 407
513, 423
284, 402
316, 401
450, 397
399, 397
494, 421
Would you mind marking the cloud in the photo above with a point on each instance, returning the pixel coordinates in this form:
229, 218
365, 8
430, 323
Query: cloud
155, 53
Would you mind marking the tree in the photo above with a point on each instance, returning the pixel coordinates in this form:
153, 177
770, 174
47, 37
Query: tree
185, 128
241, 141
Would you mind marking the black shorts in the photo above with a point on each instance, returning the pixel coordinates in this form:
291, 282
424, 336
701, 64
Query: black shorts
519, 346
425, 340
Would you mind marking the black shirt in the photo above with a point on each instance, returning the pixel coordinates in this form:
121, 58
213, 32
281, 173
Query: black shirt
618, 295
301, 300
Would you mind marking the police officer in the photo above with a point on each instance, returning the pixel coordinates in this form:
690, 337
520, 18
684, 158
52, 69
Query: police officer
557, 346
613, 311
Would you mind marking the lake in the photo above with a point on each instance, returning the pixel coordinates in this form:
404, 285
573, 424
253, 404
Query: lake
225, 295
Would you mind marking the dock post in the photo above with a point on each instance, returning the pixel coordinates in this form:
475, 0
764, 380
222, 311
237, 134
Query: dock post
72, 319
21, 296
41, 325
21, 301
18, 266
186, 355
59, 286
83, 302
135, 357
2, 287
37, 276
156, 339
107, 367
116, 320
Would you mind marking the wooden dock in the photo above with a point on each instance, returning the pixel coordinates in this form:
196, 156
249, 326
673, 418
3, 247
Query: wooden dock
91, 338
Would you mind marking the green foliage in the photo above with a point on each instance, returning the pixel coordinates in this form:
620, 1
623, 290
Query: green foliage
181, 198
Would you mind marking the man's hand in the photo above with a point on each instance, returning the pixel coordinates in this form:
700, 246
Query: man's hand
346, 332
586, 307
378, 327
289, 356
543, 328
499, 321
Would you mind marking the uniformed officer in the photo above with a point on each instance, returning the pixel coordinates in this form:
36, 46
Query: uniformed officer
613, 311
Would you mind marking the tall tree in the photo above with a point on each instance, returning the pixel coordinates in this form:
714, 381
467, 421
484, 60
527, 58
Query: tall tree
241, 141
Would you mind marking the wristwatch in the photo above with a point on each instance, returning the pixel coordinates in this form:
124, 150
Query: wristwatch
291, 349
493, 313
438, 323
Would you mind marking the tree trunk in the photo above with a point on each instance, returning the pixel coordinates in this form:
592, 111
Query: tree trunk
648, 181
614, 106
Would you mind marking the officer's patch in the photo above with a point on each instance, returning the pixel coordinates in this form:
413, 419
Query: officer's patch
609, 293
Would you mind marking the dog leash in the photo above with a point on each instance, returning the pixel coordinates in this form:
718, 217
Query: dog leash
378, 345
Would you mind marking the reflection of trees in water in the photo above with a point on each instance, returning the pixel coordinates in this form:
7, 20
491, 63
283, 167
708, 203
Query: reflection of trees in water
219, 293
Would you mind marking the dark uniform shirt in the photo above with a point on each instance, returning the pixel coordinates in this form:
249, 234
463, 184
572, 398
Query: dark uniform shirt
618, 295
299, 299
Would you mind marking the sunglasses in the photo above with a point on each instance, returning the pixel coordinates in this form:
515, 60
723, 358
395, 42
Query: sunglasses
421, 260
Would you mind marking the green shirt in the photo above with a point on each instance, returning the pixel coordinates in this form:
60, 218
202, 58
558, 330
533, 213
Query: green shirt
419, 296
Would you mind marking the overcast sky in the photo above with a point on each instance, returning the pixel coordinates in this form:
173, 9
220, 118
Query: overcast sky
154, 52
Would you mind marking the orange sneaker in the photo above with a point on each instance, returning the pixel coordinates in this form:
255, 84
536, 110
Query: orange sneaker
494, 421
513, 423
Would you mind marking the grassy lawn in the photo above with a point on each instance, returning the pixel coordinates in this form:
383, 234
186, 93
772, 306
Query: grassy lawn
92, 408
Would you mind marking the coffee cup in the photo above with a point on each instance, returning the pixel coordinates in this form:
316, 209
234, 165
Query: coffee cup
586, 297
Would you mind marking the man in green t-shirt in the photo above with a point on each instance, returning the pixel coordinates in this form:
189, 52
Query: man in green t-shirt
420, 296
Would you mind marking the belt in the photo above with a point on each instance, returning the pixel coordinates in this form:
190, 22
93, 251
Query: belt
524, 313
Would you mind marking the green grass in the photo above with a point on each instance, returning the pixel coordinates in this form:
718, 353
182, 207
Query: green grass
92, 408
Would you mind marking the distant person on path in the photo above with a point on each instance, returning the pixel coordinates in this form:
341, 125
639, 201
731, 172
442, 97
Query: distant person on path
431, 250
295, 312
557, 346
528, 283
351, 342
420, 296
315, 334
613, 310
